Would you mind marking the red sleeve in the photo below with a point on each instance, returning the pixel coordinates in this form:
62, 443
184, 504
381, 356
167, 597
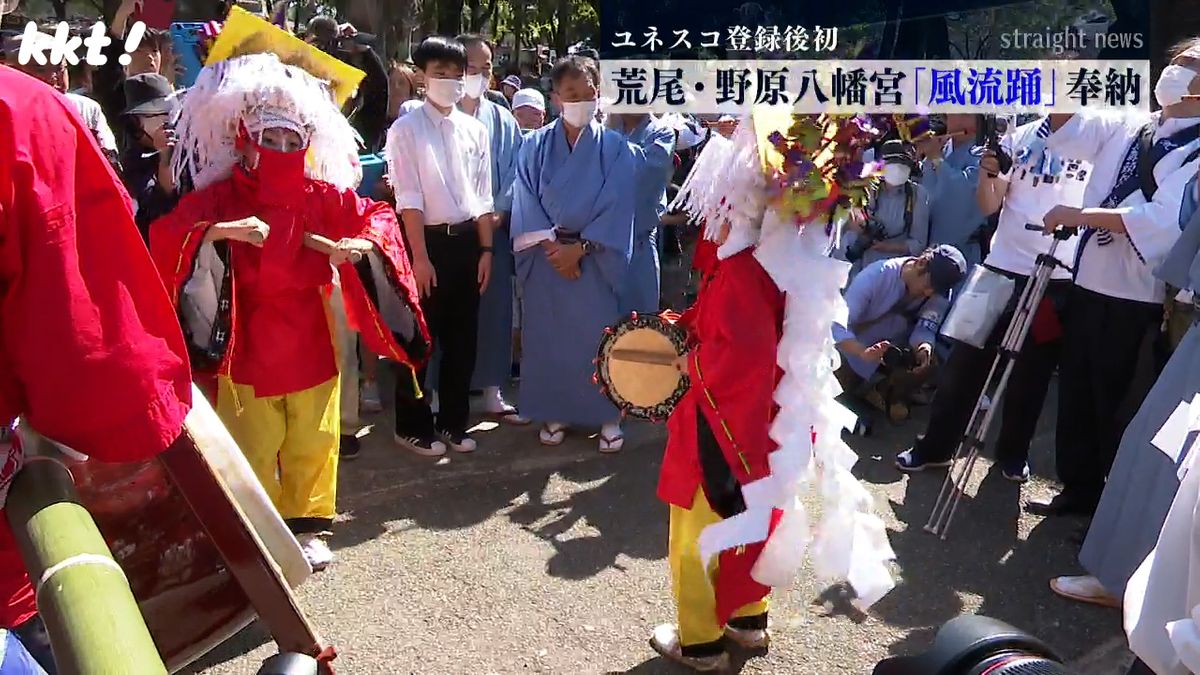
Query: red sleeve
94, 355
349, 215
737, 367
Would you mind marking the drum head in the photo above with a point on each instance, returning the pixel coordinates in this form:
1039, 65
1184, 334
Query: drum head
642, 384
635, 366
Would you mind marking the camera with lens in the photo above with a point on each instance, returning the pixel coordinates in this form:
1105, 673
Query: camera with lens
871, 233
900, 357
988, 133
978, 645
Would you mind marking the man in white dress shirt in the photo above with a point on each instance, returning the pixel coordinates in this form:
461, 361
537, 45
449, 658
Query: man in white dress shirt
1117, 301
439, 161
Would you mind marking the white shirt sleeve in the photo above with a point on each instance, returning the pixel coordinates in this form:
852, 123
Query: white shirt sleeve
1153, 227
1086, 133
104, 133
403, 153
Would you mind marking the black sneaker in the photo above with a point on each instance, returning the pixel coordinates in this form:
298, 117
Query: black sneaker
458, 441
349, 447
910, 462
1062, 505
425, 447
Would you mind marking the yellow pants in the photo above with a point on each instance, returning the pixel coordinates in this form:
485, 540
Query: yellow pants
695, 600
291, 442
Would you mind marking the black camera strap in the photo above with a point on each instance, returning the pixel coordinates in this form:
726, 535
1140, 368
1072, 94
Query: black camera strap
1150, 153
909, 204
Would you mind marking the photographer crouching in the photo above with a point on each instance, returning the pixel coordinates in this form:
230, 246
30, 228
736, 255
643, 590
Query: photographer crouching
896, 307
897, 222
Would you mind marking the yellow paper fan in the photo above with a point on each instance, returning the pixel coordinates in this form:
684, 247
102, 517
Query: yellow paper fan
244, 33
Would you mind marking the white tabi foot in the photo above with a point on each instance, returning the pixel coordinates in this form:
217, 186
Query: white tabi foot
665, 641
612, 439
1084, 589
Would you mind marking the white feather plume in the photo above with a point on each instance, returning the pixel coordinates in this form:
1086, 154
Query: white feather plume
242, 88
848, 542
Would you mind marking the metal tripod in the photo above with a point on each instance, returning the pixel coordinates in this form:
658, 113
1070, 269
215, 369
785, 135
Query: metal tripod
963, 464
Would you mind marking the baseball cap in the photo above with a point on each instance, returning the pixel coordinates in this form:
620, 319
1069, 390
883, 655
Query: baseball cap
898, 152
512, 81
946, 268
530, 97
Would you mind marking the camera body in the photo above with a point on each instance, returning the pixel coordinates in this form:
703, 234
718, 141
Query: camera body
988, 133
978, 645
900, 357
872, 232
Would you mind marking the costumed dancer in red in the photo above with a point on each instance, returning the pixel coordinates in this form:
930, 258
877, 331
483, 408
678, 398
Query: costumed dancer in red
92, 354
741, 444
273, 162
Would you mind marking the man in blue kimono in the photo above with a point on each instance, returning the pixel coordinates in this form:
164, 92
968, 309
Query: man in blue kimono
493, 360
572, 233
895, 309
653, 144
950, 174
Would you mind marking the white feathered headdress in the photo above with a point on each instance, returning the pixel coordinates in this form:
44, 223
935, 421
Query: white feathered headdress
260, 92
849, 543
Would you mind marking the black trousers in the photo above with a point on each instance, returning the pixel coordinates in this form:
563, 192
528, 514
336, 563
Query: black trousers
1139, 667
964, 375
452, 313
1104, 338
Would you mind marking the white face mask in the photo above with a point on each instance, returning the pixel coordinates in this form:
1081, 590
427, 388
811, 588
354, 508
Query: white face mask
445, 93
896, 174
1173, 85
475, 86
580, 113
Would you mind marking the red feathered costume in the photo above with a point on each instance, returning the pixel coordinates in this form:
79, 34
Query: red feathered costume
719, 440
271, 343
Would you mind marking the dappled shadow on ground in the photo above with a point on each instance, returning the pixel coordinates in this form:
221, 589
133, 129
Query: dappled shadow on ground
985, 556
513, 475
658, 665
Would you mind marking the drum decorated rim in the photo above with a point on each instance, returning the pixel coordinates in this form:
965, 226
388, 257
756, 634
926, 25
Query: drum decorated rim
678, 338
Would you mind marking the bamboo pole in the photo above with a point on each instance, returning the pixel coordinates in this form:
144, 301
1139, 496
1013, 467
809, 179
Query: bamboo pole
94, 622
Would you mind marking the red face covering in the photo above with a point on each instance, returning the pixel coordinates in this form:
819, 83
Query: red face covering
279, 175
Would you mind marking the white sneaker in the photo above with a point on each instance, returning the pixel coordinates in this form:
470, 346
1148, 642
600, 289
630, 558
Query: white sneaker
459, 442
369, 399
316, 552
495, 405
425, 447
1084, 589
612, 439
665, 641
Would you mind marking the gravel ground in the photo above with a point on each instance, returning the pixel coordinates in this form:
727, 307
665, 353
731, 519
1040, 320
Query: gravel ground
524, 559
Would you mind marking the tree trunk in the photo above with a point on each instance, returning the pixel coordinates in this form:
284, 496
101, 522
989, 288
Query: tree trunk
562, 27
891, 26
518, 31
449, 17
474, 16
491, 22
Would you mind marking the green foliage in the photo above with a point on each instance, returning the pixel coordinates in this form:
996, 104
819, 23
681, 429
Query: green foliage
978, 34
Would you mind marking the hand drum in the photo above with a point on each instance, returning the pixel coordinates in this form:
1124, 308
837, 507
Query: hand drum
635, 366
